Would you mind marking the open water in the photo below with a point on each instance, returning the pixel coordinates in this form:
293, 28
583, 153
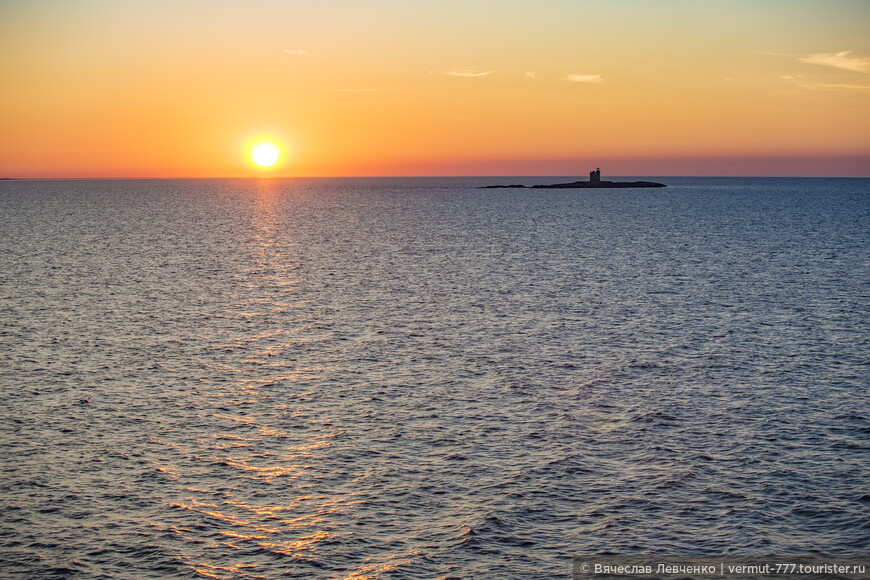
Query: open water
417, 378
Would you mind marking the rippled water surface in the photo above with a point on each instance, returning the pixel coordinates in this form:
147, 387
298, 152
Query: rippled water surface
416, 378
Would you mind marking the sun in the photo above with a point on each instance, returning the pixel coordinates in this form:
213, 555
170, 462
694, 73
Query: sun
265, 154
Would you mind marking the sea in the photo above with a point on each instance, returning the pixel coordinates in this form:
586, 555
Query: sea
420, 378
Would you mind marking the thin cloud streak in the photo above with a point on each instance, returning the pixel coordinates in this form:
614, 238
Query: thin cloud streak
468, 73
842, 60
578, 78
772, 53
799, 82
296, 51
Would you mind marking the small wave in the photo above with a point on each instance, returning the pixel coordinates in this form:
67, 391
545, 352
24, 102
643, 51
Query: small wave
658, 417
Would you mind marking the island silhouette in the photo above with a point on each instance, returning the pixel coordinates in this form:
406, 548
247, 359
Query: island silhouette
594, 182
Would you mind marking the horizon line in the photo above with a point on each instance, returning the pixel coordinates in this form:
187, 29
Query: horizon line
430, 176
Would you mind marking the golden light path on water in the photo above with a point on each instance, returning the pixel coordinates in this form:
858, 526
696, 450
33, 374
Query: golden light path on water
266, 289
246, 444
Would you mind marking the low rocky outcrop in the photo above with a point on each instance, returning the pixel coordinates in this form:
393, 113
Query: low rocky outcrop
583, 185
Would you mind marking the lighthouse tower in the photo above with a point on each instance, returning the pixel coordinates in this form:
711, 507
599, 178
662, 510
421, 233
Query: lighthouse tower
595, 176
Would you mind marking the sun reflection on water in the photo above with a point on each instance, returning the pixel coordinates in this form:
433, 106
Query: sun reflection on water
263, 428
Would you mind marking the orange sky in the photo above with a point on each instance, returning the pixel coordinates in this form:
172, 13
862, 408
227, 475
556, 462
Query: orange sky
382, 87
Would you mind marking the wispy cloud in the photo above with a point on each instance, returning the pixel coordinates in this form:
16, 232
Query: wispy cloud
355, 90
531, 75
800, 82
468, 73
772, 53
296, 51
843, 60
578, 78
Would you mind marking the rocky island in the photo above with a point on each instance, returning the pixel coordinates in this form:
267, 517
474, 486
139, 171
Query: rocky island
593, 183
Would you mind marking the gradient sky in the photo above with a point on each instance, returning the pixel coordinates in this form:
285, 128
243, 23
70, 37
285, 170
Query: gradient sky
178, 88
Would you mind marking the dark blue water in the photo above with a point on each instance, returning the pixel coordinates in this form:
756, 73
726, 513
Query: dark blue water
416, 378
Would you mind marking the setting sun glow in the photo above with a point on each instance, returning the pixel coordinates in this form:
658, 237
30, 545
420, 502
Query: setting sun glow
301, 89
265, 155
